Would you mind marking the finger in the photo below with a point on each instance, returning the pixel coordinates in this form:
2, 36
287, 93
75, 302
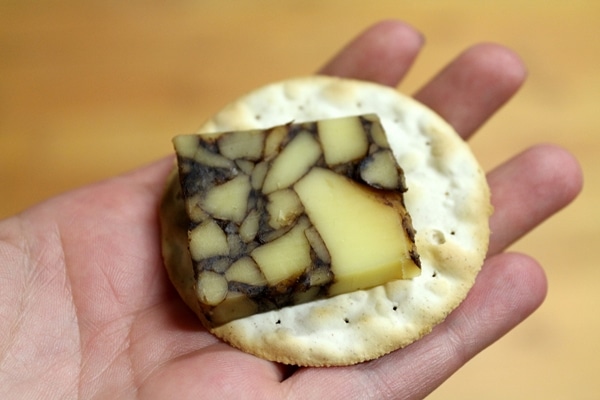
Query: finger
508, 289
528, 189
475, 85
150, 178
215, 372
383, 53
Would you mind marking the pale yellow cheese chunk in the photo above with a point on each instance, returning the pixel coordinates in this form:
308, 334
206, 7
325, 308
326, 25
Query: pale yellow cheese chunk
293, 162
285, 257
343, 140
364, 237
211, 287
245, 270
208, 240
242, 145
283, 208
229, 200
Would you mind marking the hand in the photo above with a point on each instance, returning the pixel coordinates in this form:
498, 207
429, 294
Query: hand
86, 309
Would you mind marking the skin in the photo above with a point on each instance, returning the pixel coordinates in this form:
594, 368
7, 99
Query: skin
86, 309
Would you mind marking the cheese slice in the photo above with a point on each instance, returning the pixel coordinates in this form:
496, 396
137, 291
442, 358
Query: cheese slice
324, 214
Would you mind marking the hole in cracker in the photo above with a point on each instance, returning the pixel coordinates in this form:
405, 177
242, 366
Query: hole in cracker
434, 274
346, 320
438, 237
395, 308
278, 322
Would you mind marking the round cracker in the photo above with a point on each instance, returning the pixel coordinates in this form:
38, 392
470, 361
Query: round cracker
448, 200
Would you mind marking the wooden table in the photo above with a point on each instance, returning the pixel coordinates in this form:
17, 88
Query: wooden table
92, 89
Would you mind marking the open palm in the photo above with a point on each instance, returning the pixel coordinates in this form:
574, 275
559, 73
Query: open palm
86, 308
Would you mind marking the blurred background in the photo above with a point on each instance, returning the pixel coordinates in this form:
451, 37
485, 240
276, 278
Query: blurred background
90, 89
